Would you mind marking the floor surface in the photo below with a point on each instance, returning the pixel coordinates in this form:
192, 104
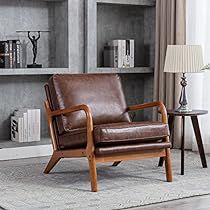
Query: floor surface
194, 203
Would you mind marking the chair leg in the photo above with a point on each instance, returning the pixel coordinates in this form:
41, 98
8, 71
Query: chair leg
93, 174
168, 166
53, 160
116, 163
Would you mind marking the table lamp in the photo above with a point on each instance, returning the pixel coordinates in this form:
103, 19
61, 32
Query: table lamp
183, 59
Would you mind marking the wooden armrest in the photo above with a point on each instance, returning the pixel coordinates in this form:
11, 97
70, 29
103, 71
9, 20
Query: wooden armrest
89, 120
149, 105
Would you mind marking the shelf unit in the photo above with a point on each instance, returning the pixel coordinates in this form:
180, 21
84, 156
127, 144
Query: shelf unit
120, 19
24, 87
72, 46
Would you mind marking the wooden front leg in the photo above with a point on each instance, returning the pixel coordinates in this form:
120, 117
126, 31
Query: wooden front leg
93, 173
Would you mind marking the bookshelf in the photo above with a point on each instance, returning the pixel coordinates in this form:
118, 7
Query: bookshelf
73, 45
107, 20
24, 87
37, 15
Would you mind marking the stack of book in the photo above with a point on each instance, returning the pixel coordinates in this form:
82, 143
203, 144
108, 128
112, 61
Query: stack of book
10, 54
25, 125
119, 54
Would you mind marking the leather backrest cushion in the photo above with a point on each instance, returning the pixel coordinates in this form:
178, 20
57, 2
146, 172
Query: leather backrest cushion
101, 92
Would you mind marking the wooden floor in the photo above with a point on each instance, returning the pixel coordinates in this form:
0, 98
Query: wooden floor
194, 203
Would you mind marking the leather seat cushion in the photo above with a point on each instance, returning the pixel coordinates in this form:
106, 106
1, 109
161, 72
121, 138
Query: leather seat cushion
133, 132
131, 148
115, 134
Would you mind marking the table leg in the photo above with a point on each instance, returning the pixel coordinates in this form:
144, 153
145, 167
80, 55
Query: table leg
171, 127
199, 140
182, 145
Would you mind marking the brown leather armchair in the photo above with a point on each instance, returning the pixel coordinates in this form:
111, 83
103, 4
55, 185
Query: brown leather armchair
88, 117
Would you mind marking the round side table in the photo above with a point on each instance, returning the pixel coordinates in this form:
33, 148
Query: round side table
194, 118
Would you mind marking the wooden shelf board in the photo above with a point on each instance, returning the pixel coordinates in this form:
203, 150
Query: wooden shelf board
139, 70
33, 71
11, 144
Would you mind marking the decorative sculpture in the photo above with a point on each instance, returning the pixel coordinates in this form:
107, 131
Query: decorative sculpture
34, 41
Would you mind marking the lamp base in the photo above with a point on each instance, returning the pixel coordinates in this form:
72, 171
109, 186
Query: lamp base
183, 109
183, 98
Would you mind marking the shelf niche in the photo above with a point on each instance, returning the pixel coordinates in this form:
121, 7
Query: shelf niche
21, 15
108, 20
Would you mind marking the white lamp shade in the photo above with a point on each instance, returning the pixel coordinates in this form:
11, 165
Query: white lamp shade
183, 59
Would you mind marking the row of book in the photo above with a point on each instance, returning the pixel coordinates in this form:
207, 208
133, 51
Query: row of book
119, 53
25, 125
10, 54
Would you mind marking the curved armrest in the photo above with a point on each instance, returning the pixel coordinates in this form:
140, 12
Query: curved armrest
149, 105
89, 120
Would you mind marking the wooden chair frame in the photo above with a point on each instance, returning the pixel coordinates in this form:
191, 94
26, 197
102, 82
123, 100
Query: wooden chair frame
90, 148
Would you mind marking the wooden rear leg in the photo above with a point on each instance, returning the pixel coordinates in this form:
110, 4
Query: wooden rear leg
93, 174
53, 160
168, 165
116, 163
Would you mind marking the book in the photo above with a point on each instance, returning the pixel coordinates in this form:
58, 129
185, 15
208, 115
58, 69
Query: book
17, 129
18, 53
23, 113
28, 122
118, 58
33, 124
36, 125
4, 54
10, 54
119, 53
14, 54
132, 53
128, 53
25, 126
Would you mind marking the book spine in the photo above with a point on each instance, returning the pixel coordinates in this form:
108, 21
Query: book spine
14, 54
4, 54
127, 51
14, 129
33, 125
114, 44
29, 114
124, 53
20, 129
17, 129
120, 61
116, 53
18, 45
37, 125
131, 53
25, 126
10, 54
7, 55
